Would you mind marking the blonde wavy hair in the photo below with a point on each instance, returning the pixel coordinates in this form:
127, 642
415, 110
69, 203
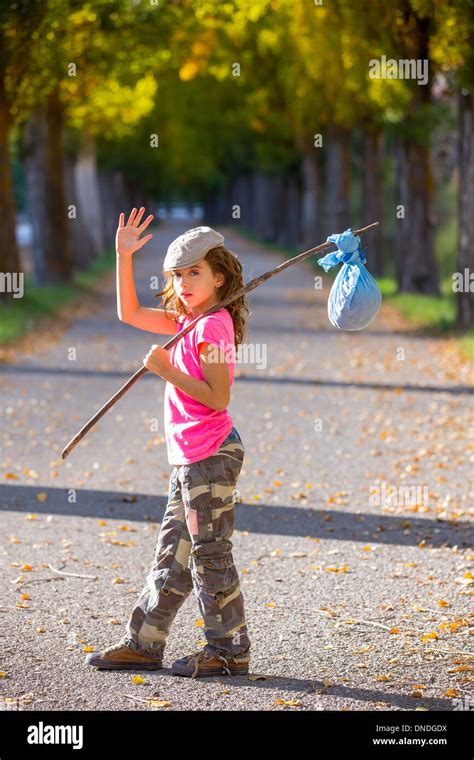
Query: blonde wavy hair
221, 260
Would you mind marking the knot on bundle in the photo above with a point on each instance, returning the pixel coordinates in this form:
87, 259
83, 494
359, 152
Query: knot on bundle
349, 250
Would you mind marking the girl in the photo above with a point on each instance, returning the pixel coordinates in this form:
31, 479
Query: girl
193, 550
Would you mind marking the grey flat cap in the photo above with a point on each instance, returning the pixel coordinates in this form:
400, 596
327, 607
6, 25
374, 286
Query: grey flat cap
191, 247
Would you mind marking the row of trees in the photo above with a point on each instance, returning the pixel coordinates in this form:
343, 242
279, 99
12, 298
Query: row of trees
264, 105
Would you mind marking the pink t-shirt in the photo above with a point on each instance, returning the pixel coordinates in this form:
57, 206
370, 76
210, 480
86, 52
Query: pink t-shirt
194, 431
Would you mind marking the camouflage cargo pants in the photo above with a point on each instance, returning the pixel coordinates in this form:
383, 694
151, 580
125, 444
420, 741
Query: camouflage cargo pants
194, 551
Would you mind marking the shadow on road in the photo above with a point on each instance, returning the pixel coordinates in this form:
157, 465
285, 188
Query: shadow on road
10, 369
254, 518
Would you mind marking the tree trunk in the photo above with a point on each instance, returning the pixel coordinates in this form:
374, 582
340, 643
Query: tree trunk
81, 242
240, 195
114, 201
220, 207
134, 198
251, 215
262, 205
42, 154
87, 191
338, 180
416, 266
208, 204
415, 262
278, 211
465, 298
274, 204
292, 231
310, 210
372, 191
9, 256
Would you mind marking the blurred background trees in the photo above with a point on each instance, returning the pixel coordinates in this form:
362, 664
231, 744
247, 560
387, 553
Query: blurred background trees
262, 112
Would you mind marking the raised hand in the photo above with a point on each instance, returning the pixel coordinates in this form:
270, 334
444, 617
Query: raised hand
127, 239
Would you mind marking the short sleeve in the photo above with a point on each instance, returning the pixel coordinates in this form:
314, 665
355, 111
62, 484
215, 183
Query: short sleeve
211, 329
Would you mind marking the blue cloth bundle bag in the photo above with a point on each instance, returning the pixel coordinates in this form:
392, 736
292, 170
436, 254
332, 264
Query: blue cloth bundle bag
355, 297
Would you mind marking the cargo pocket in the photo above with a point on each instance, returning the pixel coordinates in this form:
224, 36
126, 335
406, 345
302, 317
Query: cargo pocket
216, 573
198, 496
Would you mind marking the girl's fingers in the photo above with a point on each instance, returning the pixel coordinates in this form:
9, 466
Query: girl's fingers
145, 224
138, 216
145, 240
121, 219
132, 216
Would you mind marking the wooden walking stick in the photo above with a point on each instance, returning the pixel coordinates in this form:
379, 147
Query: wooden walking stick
246, 289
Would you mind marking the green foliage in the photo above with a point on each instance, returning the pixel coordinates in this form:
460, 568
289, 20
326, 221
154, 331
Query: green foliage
437, 312
169, 69
18, 315
466, 343
235, 86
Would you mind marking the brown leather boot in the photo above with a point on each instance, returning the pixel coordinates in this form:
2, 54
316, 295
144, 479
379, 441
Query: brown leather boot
121, 657
204, 664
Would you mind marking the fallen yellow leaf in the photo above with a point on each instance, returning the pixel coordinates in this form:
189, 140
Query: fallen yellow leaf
157, 702
428, 636
290, 702
450, 693
460, 668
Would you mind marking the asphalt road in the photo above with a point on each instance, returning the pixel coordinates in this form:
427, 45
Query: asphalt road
353, 602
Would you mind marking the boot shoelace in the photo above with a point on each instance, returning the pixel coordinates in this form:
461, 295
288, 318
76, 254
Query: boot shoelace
203, 654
